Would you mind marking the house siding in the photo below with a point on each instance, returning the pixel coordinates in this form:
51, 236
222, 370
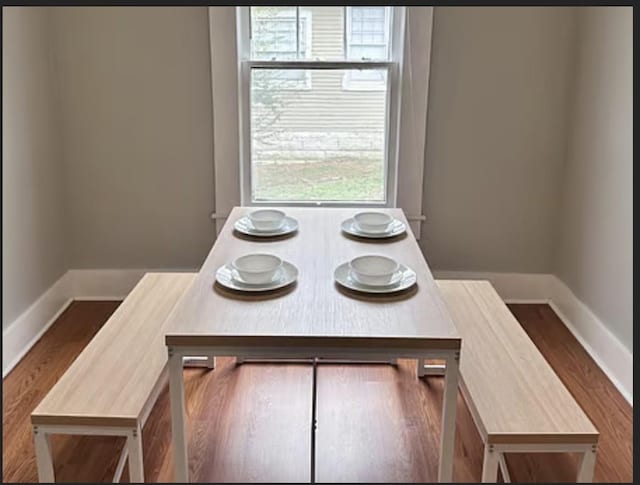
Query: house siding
327, 106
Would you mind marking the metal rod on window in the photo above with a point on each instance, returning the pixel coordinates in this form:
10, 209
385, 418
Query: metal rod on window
297, 32
258, 64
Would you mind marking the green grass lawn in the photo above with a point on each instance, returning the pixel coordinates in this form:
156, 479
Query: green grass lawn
336, 180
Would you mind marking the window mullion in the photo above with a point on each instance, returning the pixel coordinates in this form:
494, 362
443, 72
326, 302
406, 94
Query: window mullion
345, 39
297, 32
330, 65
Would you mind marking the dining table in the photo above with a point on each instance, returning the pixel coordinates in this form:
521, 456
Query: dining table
313, 318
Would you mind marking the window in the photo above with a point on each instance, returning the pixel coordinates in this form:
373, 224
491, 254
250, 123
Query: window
367, 39
318, 103
275, 35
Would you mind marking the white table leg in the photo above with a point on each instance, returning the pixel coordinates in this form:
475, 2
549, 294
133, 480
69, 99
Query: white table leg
178, 415
587, 466
122, 460
490, 465
420, 368
44, 459
448, 430
134, 450
211, 362
504, 469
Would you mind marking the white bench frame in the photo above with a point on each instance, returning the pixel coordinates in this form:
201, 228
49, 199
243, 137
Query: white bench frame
133, 446
494, 452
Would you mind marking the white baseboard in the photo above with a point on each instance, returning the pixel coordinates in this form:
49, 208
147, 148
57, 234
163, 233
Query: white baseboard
512, 287
26, 330
108, 284
104, 284
615, 360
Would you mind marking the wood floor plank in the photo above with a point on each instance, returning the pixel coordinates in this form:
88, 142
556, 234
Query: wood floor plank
379, 424
32, 378
601, 401
252, 422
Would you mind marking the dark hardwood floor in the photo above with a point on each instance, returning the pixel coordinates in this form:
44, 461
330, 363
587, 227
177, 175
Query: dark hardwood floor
377, 423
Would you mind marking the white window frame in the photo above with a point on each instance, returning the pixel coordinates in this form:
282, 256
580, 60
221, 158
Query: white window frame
394, 68
348, 83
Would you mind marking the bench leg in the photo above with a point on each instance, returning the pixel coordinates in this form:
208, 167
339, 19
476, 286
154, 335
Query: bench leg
420, 368
211, 362
134, 450
178, 415
490, 465
448, 427
587, 465
44, 459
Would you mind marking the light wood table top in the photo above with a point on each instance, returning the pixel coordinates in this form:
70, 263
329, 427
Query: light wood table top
110, 381
315, 306
511, 385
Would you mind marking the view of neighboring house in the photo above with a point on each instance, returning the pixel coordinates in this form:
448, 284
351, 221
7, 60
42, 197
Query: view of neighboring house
333, 119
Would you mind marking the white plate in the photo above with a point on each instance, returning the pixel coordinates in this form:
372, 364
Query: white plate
406, 279
229, 278
396, 228
244, 226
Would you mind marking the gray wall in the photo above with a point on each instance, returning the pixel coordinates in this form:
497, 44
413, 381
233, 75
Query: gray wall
137, 108
137, 135
34, 254
496, 137
594, 252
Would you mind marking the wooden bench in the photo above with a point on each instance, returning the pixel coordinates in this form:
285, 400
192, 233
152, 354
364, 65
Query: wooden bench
518, 403
112, 386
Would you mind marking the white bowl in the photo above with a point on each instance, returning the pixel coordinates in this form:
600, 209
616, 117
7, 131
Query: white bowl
373, 270
267, 219
374, 222
257, 268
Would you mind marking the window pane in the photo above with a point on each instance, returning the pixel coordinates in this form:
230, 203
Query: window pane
321, 32
365, 51
286, 79
274, 33
320, 144
368, 29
